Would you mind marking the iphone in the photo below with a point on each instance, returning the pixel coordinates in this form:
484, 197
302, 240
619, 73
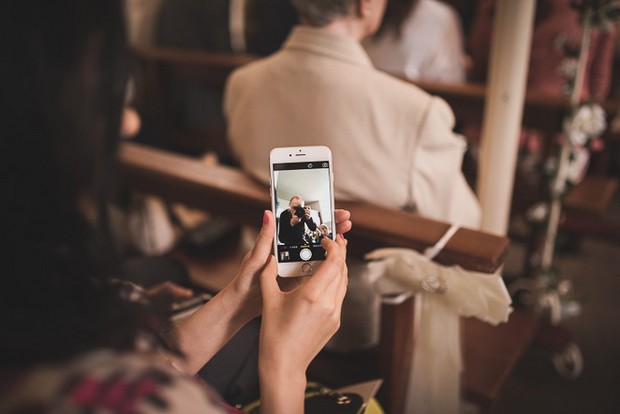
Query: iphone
302, 197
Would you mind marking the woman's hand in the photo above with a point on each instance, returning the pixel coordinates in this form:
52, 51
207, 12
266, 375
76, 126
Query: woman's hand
296, 325
164, 294
245, 285
168, 291
205, 332
343, 220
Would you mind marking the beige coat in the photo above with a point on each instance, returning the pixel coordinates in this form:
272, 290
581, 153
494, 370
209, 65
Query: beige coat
392, 143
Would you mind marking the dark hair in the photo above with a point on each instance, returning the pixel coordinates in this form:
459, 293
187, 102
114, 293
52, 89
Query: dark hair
267, 25
321, 12
396, 12
64, 70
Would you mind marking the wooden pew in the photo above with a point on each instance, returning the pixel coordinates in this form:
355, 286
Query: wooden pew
227, 192
490, 353
540, 111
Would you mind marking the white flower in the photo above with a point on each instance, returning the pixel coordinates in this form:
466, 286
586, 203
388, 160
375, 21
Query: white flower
578, 165
537, 213
568, 68
587, 122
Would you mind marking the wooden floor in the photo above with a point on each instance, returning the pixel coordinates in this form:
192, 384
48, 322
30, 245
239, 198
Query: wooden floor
593, 266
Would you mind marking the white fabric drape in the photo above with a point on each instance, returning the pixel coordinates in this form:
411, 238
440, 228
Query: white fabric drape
444, 294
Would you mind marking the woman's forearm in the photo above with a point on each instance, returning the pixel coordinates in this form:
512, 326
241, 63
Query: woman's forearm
207, 330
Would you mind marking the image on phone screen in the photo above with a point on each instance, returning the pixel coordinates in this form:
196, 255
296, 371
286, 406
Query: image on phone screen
303, 210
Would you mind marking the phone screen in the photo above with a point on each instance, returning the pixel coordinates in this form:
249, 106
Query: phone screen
303, 207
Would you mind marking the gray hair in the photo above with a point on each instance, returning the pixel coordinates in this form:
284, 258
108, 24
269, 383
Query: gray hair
321, 12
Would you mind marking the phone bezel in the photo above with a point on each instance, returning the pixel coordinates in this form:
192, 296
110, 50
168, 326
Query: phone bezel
284, 155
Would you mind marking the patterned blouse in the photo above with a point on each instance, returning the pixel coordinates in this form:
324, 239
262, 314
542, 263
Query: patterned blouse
106, 381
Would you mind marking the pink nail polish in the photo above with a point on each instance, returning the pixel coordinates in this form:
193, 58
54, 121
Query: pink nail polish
265, 217
341, 236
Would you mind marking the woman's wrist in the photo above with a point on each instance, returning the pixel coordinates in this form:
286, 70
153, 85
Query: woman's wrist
241, 307
282, 391
246, 296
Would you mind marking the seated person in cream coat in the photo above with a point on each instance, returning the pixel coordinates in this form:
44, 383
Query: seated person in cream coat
392, 143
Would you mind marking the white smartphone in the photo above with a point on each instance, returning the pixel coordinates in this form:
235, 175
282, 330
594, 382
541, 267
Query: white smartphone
302, 195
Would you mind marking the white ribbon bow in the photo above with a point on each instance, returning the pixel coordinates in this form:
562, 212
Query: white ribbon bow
447, 293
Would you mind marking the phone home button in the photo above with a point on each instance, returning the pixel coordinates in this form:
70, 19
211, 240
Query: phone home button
306, 268
305, 254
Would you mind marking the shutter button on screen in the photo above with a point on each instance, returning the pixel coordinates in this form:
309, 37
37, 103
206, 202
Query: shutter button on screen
306, 268
305, 254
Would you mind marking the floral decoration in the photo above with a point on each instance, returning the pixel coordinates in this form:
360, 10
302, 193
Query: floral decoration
602, 13
586, 122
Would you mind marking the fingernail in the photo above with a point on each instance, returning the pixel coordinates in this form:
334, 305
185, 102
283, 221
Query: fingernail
341, 236
265, 217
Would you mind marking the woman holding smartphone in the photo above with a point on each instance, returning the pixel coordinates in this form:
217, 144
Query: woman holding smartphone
71, 343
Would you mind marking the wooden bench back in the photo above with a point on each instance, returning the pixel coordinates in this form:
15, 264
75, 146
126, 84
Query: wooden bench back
228, 192
540, 111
